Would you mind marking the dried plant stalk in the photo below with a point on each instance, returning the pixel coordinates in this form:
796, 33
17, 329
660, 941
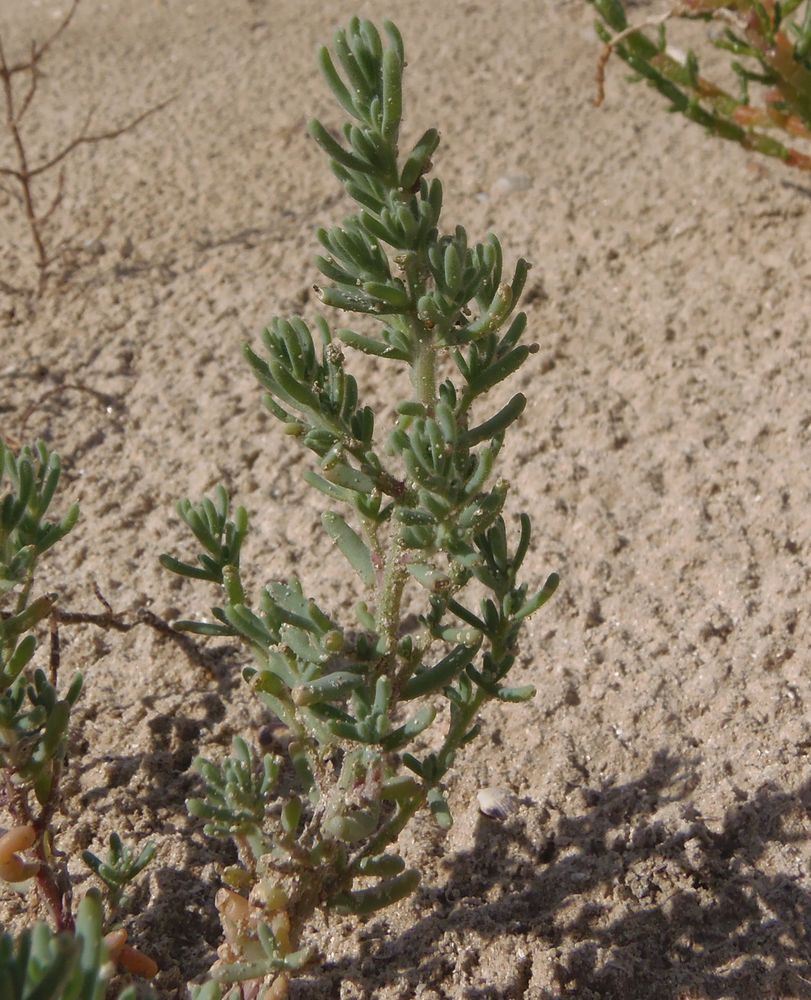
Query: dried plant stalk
19, 81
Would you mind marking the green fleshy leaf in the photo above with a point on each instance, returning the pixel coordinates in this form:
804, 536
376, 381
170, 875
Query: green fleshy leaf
351, 545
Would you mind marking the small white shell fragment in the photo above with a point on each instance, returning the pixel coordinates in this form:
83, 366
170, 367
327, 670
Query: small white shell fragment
509, 183
497, 803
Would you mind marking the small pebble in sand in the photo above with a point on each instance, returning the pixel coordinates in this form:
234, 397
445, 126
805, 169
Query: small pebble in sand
497, 803
95, 248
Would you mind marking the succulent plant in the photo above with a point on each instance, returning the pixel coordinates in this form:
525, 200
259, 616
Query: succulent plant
769, 43
416, 508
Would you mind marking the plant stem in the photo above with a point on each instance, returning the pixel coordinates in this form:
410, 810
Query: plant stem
53, 894
53, 886
391, 594
423, 379
423, 372
22, 174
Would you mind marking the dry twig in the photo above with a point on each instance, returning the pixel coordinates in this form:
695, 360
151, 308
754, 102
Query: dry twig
24, 173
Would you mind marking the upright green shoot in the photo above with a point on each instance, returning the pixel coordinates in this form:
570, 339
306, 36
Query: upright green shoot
414, 508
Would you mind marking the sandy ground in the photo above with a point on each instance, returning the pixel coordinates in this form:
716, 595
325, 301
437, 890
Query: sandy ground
661, 848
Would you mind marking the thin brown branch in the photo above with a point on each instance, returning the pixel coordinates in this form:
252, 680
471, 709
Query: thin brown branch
102, 599
117, 622
32, 89
21, 172
57, 199
37, 52
22, 162
43, 167
52, 886
104, 620
599, 74
49, 41
85, 139
102, 397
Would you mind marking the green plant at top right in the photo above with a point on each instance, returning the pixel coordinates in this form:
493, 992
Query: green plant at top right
769, 43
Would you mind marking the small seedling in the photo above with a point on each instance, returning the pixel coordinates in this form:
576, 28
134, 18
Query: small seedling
419, 513
120, 869
770, 48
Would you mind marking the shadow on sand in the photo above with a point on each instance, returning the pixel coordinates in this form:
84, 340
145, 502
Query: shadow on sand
610, 904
